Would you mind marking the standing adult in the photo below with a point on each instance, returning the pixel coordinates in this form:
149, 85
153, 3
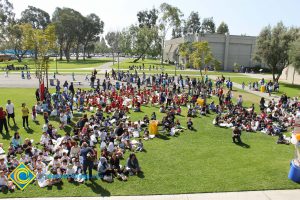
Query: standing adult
87, 155
3, 121
25, 114
10, 109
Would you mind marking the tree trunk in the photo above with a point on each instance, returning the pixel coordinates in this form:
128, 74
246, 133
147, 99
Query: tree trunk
162, 51
35, 52
278, 76
138, 58
273, 74
142, 54
84, 53
60, 52
113, 58
77, 51
67, 54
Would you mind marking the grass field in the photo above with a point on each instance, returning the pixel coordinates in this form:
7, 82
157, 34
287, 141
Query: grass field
73, 64
204, 160
289, 89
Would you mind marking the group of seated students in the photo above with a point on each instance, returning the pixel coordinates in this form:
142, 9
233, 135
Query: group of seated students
107, 131
101, 139
274, 119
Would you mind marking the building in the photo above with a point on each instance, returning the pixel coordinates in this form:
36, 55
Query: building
290, 75
230, 50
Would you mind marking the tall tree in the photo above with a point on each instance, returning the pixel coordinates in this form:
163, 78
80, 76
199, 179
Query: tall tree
294, 56
38, 18
6, 19
272, 46
101, 46
223, 28
201, 55
68, 24
20, 39
170, 18
208, 25
92, 27
147, 18
113, 39
192, 24
126, 42
45, 41
144, 41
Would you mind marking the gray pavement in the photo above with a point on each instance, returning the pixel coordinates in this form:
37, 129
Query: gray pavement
249, 195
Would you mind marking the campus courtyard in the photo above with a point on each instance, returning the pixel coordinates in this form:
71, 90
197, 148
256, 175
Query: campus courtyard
186, 100
192, 161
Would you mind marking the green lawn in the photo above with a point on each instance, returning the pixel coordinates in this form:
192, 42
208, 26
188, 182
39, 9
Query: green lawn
73, 64
289, 89
202, 161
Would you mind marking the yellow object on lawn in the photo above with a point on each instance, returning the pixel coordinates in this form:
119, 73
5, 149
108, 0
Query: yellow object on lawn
153, 127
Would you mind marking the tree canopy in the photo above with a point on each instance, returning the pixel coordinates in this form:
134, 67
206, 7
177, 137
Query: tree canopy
273, 45
38, 18
223, 28
294, 54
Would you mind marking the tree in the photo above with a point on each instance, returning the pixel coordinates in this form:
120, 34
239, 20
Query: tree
272, 47
38, 18
144, 41
294, 56
185, 50
192, 24
69, 24
147, 18
125, 43
170, 18
6, 19
223, 28
201, 55
113, 39
92, 27
208, 25
20, 39
101, 46
45, 42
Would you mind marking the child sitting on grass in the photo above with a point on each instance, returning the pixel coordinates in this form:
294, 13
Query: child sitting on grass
190, 124
5, 183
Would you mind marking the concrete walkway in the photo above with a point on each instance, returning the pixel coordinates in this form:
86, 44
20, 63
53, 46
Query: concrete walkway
251, 195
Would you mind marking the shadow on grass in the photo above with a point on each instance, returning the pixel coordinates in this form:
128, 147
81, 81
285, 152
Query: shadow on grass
14, 128
93, 185
162, 136
6, 136
141, 175
29, 130
242, 144
37, 122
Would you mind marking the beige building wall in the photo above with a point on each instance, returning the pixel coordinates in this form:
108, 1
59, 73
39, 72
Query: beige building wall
228, 49
289, 74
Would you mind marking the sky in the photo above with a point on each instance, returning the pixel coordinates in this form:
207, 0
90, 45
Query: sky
242, 16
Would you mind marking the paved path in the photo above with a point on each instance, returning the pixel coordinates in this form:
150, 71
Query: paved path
14, 80
251, 195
